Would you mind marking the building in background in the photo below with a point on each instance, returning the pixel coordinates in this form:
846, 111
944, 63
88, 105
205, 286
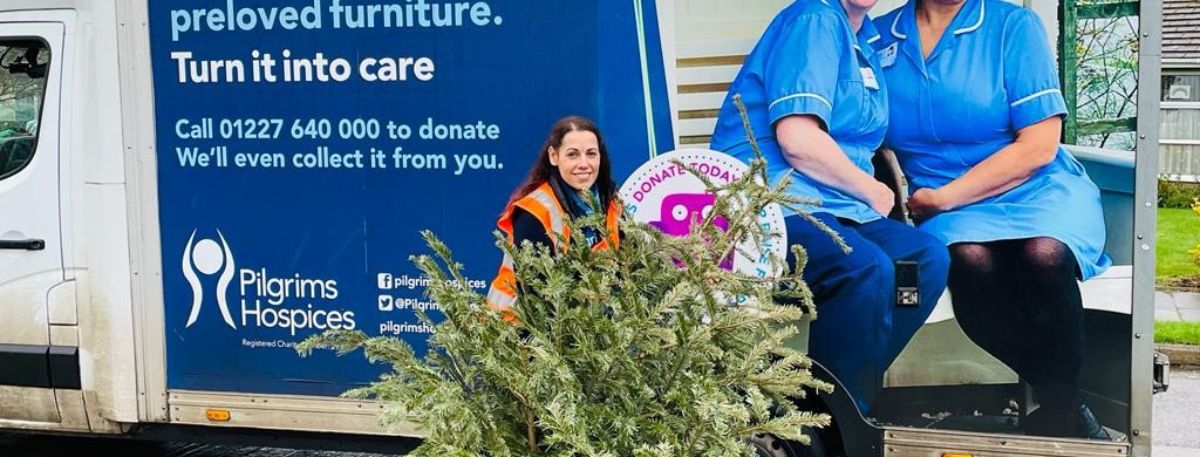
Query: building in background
1180, 135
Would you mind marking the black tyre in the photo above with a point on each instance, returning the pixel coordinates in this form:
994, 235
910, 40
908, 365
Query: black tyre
770, 446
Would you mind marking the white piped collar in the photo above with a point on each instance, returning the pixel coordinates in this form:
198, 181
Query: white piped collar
896, 23
910, 8
978, 22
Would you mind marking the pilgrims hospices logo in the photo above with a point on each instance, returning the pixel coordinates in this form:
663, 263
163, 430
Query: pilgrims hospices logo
670, 197
266, 299
208, 257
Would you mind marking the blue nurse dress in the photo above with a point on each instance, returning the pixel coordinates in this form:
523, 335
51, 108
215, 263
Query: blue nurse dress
989, 76
809, 62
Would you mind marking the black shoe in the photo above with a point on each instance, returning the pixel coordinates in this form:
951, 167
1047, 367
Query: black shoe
1078, 422
1092, 426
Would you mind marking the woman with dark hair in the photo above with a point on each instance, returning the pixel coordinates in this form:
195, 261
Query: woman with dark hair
976, 118
572, 171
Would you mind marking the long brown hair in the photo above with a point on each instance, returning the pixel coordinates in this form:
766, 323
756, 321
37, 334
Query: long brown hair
542, 171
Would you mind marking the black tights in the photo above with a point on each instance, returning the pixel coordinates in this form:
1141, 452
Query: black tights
1019, 300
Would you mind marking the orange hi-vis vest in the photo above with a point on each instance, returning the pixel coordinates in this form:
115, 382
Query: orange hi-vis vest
544, 206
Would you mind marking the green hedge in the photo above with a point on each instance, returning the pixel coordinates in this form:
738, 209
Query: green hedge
1177, 195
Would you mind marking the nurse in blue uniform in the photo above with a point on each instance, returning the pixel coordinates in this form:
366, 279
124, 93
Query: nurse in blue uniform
818, 107
976, 114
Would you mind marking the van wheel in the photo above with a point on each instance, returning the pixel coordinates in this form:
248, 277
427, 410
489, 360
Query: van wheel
770, 446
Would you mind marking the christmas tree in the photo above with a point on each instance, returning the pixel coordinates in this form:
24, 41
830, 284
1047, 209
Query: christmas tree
642, 350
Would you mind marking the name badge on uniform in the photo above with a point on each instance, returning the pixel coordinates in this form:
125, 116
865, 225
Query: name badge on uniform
868, 76
889, 56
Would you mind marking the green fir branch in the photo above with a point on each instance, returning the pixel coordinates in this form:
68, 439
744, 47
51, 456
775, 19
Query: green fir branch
621, 352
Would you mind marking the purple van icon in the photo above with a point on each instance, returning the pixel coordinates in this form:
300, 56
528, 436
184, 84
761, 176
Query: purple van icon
678, 211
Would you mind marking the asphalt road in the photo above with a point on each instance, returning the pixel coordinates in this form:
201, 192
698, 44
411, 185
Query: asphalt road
52, 446
1176, 434
1176, 424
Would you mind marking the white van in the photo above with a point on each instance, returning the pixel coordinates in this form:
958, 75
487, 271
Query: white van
187, 190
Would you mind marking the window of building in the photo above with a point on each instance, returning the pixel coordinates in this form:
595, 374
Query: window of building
1181, 87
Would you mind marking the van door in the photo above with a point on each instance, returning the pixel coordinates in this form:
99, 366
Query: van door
31, 255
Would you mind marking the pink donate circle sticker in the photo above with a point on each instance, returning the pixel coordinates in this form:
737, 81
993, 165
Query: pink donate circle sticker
670, 197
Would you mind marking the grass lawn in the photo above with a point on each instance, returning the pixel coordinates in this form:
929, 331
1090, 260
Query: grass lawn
1177, 332
1178, 231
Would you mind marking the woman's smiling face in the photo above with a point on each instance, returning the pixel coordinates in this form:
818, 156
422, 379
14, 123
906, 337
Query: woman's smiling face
578, 159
